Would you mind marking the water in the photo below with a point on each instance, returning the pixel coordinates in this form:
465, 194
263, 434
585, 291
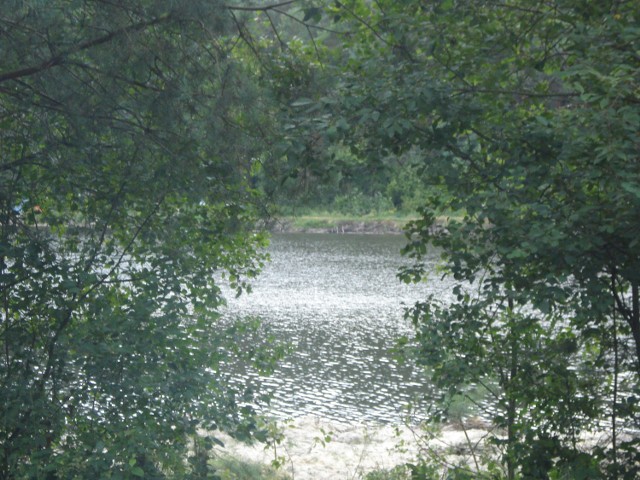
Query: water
337, 301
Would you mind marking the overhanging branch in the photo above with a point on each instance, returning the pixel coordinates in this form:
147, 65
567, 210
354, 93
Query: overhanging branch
61, 58
264, 8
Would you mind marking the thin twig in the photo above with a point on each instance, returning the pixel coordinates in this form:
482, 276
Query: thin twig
283, 45
472, 448
264, 8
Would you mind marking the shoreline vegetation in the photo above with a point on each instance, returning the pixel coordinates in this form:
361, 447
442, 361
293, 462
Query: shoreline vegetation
316, 448
320, 224
343, 224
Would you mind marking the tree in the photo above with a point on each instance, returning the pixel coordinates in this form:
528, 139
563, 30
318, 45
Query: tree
127, 138
526, 114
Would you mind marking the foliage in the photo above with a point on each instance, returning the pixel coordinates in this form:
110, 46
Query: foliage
227, 468
125, 200
526, 116
135, 137
397, 473
309, 167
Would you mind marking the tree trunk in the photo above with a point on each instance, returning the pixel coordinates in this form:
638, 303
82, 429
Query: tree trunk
634, 321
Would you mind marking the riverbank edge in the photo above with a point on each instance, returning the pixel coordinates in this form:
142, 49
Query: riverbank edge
316, 448
337, 225
347, 225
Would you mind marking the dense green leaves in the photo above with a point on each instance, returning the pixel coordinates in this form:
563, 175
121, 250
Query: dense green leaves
525, 115
134, 137
125, 196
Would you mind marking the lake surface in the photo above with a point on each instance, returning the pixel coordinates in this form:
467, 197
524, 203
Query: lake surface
337, 301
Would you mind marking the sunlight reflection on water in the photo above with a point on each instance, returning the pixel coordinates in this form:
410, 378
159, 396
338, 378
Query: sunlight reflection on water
337, 301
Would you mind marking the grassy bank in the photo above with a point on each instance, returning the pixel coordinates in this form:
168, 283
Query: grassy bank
328, 222
312, 222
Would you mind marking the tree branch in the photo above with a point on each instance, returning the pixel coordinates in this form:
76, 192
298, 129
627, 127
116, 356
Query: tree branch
519, 93
308, 25
370, 27
266, 8
61, 58
283, 45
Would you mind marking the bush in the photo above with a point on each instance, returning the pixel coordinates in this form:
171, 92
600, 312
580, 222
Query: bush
401, 472
229, 468
359, 204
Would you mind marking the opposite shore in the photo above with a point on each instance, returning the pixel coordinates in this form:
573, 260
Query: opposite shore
336, 225
343, 225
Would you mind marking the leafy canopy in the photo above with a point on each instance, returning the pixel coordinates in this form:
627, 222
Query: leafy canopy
127, 147
526, 118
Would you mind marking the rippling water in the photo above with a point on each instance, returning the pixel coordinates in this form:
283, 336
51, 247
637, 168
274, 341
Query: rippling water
336, 299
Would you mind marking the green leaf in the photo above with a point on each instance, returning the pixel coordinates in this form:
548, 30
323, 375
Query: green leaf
302, 102
312, 13
633, 188
137, 472
446, 5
